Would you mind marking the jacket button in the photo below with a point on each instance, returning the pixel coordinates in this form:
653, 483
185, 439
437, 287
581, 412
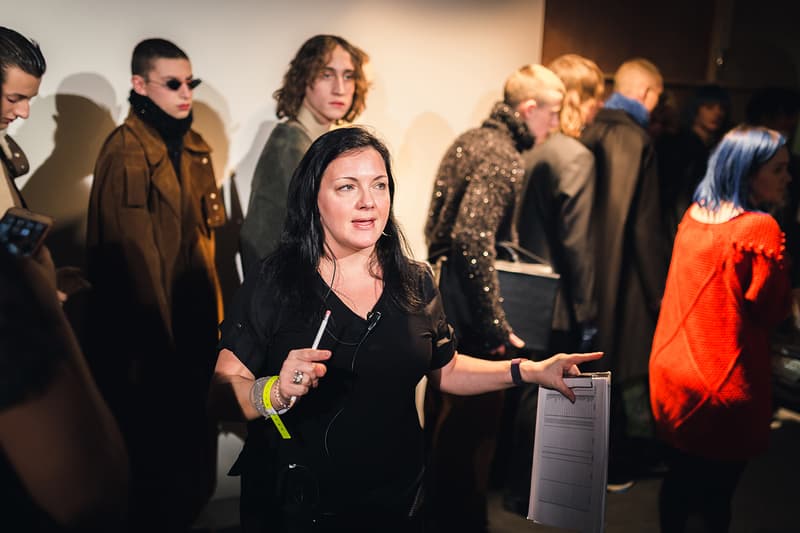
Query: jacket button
204, 160
213, 196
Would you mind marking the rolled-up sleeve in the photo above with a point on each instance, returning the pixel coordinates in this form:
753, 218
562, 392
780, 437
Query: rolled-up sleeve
443, 338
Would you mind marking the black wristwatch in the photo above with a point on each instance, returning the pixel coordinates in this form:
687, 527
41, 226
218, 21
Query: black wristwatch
516, 375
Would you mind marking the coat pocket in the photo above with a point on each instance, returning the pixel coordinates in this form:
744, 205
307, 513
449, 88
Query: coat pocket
136, 180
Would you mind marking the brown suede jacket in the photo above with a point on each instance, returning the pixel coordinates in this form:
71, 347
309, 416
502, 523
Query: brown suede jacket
150, 239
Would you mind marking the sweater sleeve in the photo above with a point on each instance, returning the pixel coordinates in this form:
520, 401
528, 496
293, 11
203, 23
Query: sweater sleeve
768, 289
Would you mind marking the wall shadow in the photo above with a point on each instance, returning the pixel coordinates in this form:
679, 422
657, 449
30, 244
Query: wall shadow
425, 141
60, 186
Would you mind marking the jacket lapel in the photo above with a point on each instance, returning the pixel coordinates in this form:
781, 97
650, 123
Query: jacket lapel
162, 174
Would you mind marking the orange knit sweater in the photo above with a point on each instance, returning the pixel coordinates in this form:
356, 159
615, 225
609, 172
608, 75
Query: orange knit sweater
726, 289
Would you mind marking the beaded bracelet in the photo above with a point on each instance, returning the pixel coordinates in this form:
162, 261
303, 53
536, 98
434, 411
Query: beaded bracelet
282, 405
260, 394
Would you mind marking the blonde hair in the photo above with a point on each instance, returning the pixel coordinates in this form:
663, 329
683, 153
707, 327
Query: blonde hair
583, 81
635, 74
531, 81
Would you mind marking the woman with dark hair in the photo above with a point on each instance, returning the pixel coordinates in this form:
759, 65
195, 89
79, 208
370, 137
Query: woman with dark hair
324, 86
334, 442
727, 288
682, 156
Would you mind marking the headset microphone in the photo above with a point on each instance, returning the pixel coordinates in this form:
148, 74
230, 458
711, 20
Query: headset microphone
372, 320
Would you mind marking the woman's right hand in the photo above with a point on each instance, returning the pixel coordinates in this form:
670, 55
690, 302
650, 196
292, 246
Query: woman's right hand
305, 363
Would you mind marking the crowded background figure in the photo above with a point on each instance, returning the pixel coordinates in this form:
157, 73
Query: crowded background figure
682, 157
778, 108
727, 288
554, 222
63, 465
324, 86
474, 197
156, 300
347, 451
631, 256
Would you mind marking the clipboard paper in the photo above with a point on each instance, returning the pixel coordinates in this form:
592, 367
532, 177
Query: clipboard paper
570, 455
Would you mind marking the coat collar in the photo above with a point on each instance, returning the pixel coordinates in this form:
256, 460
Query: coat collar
313, 128
155, 151
633, 108
13, 156
154, 147
503, 117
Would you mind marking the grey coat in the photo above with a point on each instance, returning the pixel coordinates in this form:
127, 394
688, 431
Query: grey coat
261, 230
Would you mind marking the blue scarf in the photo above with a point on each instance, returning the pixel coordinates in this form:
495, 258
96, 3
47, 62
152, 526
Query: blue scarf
635, 109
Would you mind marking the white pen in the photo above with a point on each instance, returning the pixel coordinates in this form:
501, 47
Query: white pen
315, 344
321, 329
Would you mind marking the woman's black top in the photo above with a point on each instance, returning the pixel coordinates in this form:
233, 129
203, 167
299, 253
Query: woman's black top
356, 444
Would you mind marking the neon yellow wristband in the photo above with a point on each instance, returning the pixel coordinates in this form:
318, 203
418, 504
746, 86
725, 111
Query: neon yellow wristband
276, 419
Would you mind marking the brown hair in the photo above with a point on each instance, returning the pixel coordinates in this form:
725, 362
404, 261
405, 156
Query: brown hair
306, 66
583, 80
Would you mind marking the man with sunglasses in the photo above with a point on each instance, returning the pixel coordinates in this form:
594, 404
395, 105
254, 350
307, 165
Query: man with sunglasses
156, 300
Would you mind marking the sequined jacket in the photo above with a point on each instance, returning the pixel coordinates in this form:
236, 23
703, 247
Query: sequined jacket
476, 189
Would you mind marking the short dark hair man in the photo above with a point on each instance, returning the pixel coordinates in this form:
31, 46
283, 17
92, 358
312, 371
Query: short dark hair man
152, 212
22, 66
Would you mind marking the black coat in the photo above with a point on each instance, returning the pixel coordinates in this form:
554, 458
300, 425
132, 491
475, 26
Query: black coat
553, 222
630, 245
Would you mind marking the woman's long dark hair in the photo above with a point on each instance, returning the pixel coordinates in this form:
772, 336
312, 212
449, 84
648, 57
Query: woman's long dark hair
292, 268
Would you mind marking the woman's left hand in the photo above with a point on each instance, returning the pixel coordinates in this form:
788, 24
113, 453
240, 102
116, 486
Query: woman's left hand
550, 372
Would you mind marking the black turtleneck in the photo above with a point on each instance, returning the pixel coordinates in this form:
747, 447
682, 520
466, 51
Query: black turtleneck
171, 129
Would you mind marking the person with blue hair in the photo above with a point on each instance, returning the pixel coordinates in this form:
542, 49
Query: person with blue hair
727, 288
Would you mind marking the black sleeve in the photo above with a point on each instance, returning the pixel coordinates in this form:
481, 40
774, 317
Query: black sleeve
443, 340
245, 330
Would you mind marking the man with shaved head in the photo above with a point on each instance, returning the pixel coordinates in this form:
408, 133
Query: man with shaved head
631, 254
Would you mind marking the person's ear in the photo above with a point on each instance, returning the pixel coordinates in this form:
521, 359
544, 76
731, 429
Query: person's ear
139, 85
526, 106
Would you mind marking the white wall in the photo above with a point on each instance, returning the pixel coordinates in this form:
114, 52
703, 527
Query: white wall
438, 65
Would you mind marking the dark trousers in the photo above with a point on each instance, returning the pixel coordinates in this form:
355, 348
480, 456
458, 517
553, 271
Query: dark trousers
517, 486
697, 485
463, 445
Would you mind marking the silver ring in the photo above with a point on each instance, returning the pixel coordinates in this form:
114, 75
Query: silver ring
297, 379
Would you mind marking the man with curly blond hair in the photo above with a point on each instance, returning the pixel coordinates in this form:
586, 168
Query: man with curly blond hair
324, 86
